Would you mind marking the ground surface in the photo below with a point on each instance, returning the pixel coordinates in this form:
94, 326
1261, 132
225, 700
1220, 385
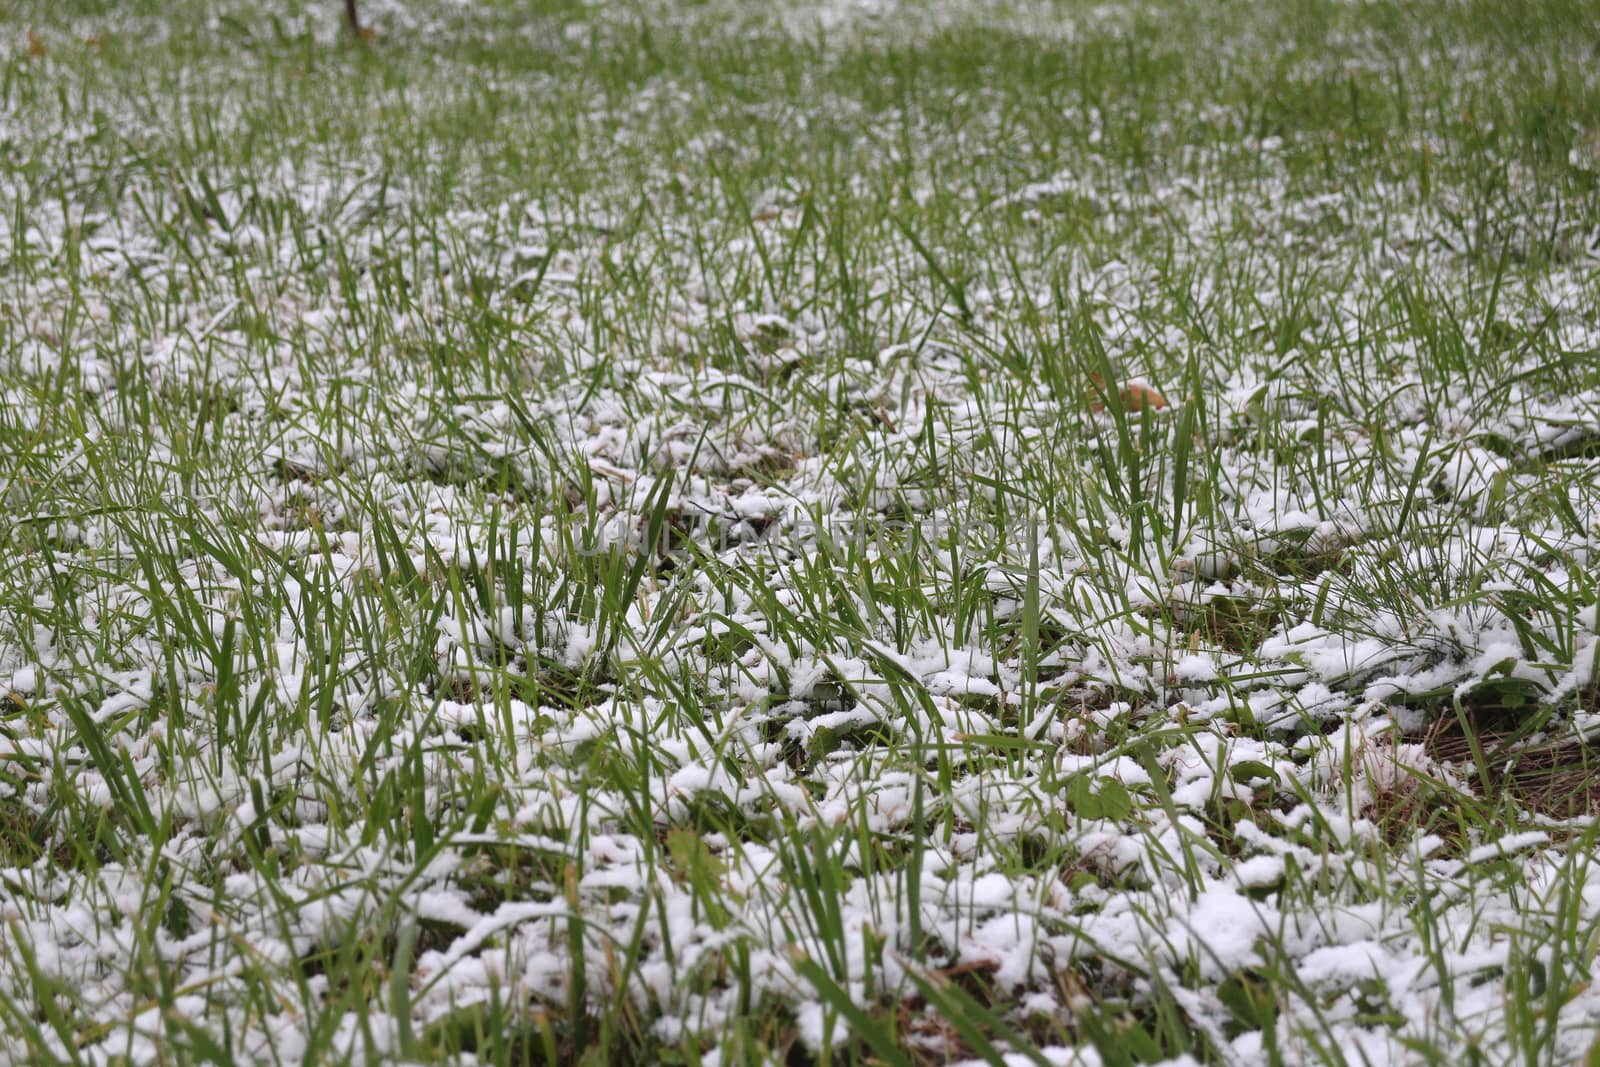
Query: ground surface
788, 532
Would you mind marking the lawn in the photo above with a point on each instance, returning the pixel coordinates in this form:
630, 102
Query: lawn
811, 532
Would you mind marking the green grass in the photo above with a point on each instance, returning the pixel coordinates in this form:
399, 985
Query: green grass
623, 533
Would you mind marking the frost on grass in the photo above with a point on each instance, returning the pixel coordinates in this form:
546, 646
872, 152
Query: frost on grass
633, 535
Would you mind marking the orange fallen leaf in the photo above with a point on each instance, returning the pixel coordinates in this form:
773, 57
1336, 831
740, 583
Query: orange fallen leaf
1134, 396
36, 46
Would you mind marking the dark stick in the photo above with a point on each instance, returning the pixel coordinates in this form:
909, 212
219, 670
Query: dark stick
352, 16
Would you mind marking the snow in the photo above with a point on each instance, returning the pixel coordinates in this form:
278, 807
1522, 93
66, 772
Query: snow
728, 685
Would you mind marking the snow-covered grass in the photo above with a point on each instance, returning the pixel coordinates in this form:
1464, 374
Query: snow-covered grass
845, 532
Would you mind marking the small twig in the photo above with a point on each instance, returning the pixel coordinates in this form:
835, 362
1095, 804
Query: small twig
352, 18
